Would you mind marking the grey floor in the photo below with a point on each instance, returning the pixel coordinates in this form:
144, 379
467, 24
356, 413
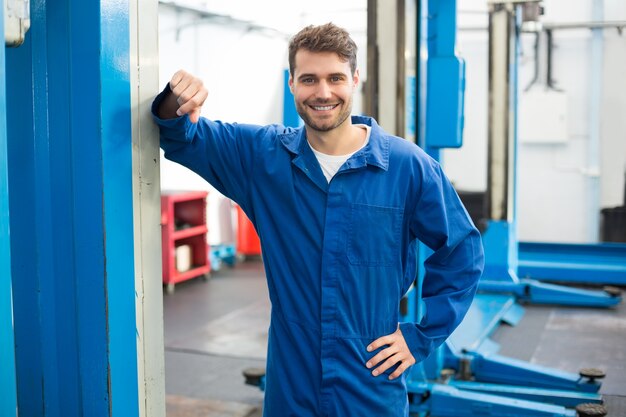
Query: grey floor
216, 329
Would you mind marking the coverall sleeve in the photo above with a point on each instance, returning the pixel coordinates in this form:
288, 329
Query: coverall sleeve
221, 153
440, 221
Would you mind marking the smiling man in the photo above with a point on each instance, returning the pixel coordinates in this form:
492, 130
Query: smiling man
337, 205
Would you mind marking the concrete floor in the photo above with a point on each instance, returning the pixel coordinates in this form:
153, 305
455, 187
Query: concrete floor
204, 325
215, 329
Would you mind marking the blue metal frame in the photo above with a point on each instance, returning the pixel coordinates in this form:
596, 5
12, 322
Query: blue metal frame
497, 369
500, 275
29, 183
444, 119
485, 315
291, 117
582, 263
8, 400
563, 398
116, 143
69, 140
434, 399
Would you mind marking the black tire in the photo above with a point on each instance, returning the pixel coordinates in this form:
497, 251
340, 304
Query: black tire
253, 375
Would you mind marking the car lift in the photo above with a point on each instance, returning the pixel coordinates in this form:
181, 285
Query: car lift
466, 377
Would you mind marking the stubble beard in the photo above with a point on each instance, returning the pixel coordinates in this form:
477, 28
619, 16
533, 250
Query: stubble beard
328, 125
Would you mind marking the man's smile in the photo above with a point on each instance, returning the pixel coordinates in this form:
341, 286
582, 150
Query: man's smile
326, 107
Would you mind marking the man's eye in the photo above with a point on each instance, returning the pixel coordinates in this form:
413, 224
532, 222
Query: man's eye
307, 80
335, 79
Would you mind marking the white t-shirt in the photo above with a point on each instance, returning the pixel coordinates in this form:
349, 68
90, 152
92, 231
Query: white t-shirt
331, 163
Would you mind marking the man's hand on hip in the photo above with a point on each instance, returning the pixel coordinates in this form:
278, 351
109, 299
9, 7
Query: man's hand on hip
396, 352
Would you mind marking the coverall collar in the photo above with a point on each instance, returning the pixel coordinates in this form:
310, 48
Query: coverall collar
375, 153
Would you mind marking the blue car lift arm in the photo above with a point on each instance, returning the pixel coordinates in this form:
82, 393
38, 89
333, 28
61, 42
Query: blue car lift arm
501, 274
444, 400
603, 263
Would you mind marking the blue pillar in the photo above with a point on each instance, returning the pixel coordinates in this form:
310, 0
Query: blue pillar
70, 178
444, 79
7, 351
290, 114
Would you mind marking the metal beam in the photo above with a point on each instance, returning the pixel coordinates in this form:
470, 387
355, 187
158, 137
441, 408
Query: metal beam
503, 43
620, 25
599, 264
8, 402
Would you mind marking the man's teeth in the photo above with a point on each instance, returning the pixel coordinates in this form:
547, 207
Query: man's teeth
322, 108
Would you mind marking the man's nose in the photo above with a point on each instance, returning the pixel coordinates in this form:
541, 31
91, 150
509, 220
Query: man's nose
323, 90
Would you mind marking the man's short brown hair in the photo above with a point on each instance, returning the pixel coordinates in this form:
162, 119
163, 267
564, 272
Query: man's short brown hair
323, 38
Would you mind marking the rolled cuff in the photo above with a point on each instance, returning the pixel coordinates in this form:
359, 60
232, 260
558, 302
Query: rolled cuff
419, 344
179, 128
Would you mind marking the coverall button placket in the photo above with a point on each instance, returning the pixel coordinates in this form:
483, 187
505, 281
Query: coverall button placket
331, 256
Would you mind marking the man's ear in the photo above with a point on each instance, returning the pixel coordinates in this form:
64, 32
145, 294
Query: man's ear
290, 82
356, 77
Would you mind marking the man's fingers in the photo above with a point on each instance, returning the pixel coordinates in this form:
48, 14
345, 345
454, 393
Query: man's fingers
177, 77
391, 361
194, 116
187, 89
397, 352
189, 93
381, 341
190, 103
187, 97
381, 356
403, 367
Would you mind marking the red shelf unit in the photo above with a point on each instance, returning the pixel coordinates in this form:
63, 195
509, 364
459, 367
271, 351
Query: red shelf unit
183, 222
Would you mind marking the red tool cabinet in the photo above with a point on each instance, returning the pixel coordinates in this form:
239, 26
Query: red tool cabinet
183, 223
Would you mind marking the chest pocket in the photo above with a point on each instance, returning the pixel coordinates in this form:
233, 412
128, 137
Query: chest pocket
374, 235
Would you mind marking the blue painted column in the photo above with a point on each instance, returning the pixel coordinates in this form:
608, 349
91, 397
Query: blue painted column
444, 78
439, 94
7, 351
290, 114
70, 178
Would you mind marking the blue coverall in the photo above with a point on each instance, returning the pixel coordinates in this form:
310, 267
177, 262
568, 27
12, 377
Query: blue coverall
336, 255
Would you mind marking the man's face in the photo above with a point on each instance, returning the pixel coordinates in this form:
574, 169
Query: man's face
322, 86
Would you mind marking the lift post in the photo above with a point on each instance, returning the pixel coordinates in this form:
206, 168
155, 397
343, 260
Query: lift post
500, 237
